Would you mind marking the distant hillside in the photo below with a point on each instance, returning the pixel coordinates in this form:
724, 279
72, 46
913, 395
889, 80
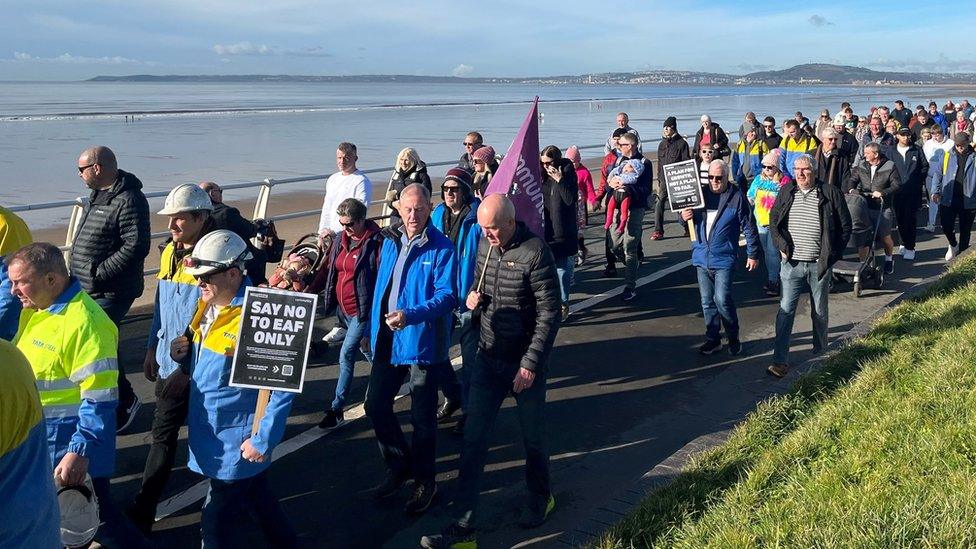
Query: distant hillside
287, 78
843, 74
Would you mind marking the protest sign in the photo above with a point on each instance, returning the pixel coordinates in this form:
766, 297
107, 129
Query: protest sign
519, 174
684, 189
273, 344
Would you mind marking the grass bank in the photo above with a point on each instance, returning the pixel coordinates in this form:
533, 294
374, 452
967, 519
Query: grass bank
875, 449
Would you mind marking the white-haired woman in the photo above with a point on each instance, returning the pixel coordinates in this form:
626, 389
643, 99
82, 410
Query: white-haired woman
409, 169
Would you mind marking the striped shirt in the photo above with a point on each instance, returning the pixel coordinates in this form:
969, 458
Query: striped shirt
803, 224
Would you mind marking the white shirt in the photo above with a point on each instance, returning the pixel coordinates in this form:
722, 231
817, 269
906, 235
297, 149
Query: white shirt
338, 188
902, 149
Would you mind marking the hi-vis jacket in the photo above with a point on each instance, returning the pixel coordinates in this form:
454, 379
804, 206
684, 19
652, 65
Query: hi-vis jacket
72, 346
791, 149
221, 416
14, 235
177, 295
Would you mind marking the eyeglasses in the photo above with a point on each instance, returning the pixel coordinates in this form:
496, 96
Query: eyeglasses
81, 169
348, 225
716, 177
765, 167
830, 139
466, 144
452, 190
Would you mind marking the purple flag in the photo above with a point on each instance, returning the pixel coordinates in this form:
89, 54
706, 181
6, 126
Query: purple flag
519, 175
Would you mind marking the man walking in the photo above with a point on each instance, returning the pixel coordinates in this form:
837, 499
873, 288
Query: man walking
913, 168
472, 142
518, 311
953, 188
410, 327
626, 244
877, 180
110, 248
795, 144
718, 225
673, 148
810, 225
623, 123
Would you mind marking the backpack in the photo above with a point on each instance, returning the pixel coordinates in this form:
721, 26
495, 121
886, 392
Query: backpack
268, 241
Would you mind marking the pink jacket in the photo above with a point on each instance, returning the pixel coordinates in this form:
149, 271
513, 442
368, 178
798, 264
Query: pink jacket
585, 181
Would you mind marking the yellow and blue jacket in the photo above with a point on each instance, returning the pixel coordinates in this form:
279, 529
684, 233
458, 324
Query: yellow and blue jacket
29, 514
221, 416
72, 347
177, 294
14, 235
753, 158
792, 148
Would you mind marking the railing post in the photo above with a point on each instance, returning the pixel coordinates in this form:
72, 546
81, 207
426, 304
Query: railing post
77, 211
264, 196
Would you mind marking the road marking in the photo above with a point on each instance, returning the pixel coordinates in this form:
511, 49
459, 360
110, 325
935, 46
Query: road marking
198, 491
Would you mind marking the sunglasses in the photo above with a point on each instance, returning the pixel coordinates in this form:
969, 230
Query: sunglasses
765, 167
451, 190
716, 177
830, 139
348, 225
466, 144
206, 278
81, 169
545, 163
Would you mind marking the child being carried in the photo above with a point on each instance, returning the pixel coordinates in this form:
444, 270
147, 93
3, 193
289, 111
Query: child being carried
627, 173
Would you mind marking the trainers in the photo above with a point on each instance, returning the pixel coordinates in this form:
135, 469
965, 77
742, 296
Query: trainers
953, 251
735, 347
777, 370
391, 485
447, 410
536, 510
564, 312
710, 347
909, 255
459, 426
454, 536
125, 414
657, 235
889, 267
331, 420
930, 228
629, 294
610, 272
421, 497
901, 250
337, 334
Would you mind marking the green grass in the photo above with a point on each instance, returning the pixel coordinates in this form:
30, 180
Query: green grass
875, 449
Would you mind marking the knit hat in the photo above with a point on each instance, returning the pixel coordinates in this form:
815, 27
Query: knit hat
485, 154
771, 158
458, 174
636, 164
671, 122
572, 154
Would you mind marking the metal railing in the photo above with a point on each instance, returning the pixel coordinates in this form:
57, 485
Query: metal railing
264, 187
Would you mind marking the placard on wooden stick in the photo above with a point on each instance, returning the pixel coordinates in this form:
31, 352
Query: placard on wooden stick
273, 343
684, 189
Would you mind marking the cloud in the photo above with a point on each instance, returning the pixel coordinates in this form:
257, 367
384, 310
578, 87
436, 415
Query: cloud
819, 21
940, 63
69, 59
247, 48
462, 70
748, 67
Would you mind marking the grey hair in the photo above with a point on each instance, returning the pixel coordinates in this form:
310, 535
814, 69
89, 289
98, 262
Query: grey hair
42, 257
805, 158
416, 188
722, 164
352, 208
829, 132
873, 146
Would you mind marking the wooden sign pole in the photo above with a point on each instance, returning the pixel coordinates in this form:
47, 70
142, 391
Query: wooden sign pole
691, 230
264, 396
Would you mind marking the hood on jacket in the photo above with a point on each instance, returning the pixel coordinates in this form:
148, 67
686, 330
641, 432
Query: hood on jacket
124, 182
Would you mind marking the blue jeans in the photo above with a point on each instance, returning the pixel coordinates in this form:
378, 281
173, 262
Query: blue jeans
715, 287
491, 383
797, 276
231, 501
356, 330
564, 271
115, 530
770, 253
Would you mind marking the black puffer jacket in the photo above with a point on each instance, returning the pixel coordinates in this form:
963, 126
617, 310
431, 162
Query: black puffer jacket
230, 218
670, 150
519, 315
400, 180
112, 241
718, 141
561, 198
886, 180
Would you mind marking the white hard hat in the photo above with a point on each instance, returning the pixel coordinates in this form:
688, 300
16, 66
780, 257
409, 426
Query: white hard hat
839, 120
186, 198
216, 251
79, 514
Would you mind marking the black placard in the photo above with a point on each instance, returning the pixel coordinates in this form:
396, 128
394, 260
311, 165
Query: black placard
684, 185
273, 343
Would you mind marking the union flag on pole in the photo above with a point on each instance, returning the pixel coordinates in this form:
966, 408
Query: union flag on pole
519, 175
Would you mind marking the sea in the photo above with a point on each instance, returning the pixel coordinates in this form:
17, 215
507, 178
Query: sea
179, 132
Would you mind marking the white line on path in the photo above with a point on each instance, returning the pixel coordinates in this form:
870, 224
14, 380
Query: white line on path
198, 491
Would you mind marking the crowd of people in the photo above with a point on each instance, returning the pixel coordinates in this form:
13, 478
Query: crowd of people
461, 269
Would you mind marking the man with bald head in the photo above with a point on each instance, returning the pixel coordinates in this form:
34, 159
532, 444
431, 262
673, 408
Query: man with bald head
516, 302
110, 247
410, 333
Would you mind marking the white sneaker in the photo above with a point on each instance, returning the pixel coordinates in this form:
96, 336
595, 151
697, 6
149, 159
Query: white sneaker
953, 251
901, 250
909, 255
337, 334
930, 228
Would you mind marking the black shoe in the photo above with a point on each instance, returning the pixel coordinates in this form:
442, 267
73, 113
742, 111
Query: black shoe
142, 519
331, 420
459, 426
710, 347
889, 267
390, 486
610, 272
124, 414
536, 510
421, 497
772, 289
454, 536
447, 410
735, 347
629, 294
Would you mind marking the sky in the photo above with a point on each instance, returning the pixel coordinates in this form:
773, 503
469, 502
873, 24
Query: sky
60, 40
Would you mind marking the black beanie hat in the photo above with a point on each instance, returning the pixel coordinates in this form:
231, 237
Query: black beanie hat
671, 122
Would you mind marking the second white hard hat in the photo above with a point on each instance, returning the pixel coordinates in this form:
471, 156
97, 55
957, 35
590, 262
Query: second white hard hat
216, 251
186, 198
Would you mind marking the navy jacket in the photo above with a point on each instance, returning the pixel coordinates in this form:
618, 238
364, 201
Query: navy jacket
719, 248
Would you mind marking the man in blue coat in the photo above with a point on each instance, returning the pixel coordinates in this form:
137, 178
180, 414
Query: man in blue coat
410, 333
726, 215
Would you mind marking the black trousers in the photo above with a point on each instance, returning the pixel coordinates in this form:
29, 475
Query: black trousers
172, 402
906, 214
966, 217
